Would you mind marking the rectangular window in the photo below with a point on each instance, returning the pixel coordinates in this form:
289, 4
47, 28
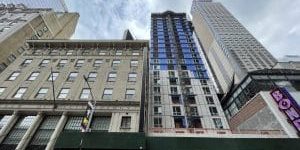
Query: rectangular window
174, 90
44, 132
4, 120
54, 52
85, 93
157, 122
218, 123
41, 93
209, 100
119, 52
213, 111
85, 52
185, 74
26, 62
53, 76
126, 122
194, 111
157, 110
156, 90
63, 93
33, 76
206, 90
112, 76
135, 53
92, 76
102, 53
156, 81
176, 111
44, 62
107, 94
132, 77
157, 100
16, 134
2, 89
11, 58
98, 62
20, 92
129, 94
116, 63
79, 63
70, 52
73, 123
62, 63
171, 74
191, 99
156, 74
100, 123
13, 76
72, 76
134, 63
175, 99
203, 82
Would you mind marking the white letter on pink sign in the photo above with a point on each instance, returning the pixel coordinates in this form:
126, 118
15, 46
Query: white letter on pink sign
284, 104
277, 95
292, 113
297, 124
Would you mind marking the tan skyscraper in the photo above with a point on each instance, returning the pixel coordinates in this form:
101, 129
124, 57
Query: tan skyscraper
230, 49
19, 23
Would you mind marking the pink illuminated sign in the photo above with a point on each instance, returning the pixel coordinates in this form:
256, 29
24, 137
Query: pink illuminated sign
288, 105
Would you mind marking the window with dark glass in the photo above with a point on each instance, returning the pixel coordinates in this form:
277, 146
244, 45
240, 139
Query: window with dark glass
100, 123
18, 131
176, 111
157, 122
218, 123
213, 111
73, 123
209, 100
44, 132
126, 122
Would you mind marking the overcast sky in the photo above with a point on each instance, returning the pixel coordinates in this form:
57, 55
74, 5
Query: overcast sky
275, 23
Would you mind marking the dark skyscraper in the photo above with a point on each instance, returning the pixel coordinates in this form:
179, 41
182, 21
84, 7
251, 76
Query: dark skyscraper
182, 94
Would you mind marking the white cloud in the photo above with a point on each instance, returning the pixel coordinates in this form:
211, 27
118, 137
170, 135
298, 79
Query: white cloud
274, 23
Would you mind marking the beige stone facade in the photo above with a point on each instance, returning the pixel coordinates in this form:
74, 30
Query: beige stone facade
108, 65
19, 24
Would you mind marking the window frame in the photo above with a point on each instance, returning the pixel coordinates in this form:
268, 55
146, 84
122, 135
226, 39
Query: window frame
63, 95
13, 76
126, 122
21, 93
43, 94
33, 76
107, 94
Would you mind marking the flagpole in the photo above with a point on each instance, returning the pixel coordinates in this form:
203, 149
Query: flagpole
53, 91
